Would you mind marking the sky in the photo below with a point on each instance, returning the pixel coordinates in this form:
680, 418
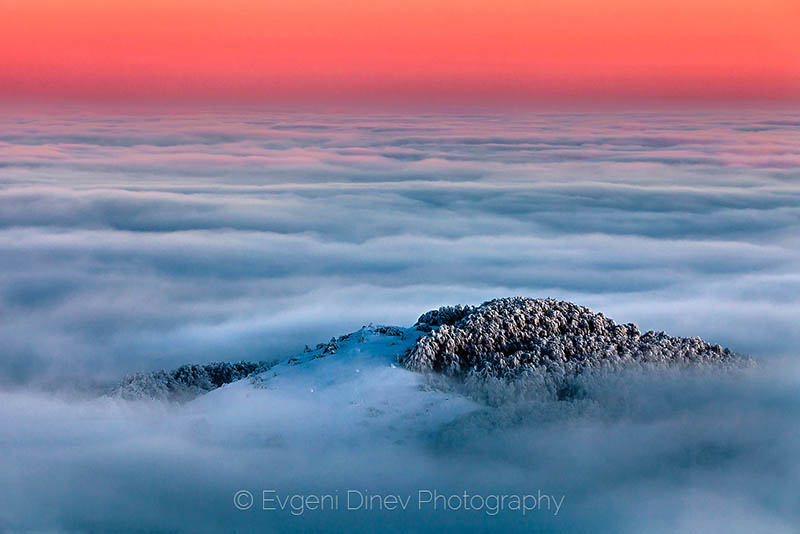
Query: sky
423, 52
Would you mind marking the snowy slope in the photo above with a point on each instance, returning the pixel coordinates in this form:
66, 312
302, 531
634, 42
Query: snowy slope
355, 382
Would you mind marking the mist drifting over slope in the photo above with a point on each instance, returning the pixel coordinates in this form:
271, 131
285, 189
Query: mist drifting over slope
672, 450
136, 243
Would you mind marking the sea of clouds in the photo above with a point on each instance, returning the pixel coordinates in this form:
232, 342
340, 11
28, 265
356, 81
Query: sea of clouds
133, 242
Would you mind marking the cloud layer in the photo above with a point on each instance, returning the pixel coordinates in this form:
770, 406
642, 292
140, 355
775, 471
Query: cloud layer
135, 243
132, 243
661, 454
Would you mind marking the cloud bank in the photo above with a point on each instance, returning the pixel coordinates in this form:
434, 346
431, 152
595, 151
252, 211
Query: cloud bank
666, 453
136, 243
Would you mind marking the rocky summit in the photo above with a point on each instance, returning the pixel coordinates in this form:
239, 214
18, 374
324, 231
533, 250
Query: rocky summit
511, 337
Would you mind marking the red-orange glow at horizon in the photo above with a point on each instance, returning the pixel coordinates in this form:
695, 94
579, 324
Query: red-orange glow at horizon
481, 49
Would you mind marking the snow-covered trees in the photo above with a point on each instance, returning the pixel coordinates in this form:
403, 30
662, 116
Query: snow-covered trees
516, 337
185, 382
445, 315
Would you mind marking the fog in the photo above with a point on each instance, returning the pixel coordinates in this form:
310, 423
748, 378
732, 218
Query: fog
134, 243
661, 453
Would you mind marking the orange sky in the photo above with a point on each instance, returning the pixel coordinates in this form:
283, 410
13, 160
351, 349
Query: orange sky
351, 50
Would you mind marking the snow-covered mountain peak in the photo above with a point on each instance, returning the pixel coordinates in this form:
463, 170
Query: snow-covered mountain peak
544, 346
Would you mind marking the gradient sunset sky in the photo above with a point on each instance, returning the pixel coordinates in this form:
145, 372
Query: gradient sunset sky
423, 51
